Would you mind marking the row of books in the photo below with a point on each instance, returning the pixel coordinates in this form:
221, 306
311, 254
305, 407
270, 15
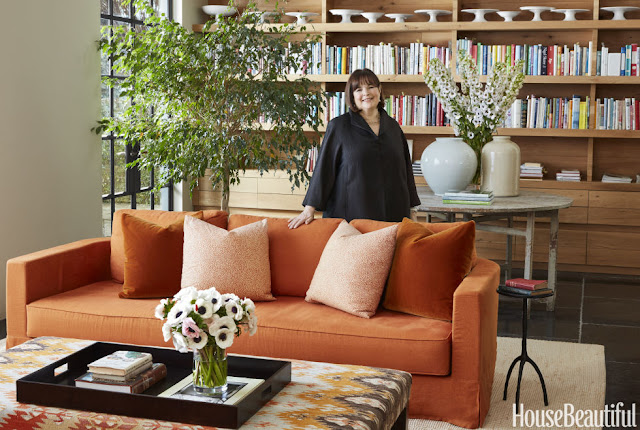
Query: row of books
123, 371
623, 63
539, 59
614, 114
527, 287
384, 59
531, 171
468, 197
544, 112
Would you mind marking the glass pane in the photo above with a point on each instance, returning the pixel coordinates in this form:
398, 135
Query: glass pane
104, 6
106, 167
145, 179
104, 59
119, 9
161, 6
119, 103
143, 200
105, 101
120, 166
124, 24
123, 202
106, 217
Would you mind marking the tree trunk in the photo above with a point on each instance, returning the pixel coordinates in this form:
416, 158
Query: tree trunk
224, 200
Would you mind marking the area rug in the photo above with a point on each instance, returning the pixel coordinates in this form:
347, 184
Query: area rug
574, 373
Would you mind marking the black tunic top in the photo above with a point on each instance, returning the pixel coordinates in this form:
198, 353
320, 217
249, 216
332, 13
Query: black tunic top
361, 175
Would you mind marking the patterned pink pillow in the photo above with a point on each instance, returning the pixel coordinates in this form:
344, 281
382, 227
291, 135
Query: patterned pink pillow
353, 270
234, 261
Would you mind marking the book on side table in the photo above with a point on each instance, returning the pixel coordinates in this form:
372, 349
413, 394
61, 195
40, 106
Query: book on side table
526, 284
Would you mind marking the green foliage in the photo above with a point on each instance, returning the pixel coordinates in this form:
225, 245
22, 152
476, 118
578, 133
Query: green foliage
197, 99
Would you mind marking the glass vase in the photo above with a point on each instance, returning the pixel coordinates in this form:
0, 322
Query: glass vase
210, 370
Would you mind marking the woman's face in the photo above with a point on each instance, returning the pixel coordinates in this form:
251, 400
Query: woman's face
366, 96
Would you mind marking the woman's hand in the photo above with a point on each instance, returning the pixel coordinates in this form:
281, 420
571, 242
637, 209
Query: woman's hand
304, 218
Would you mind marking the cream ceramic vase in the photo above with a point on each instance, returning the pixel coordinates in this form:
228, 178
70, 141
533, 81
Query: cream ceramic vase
501, 167
448, 164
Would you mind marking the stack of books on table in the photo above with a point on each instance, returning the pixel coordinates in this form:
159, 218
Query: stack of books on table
123, 371
608, 177
568, 176
473, 197
528, 287
417, 168
531, 171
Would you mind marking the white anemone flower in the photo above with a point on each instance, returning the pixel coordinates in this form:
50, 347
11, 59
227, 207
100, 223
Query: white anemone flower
159, 313
222, 323
187, 293
198, 342
180, 342
178, 313
226, 298
166, 332
234, 310
204, 308
248, 305
252, 324
224, 338
216, 300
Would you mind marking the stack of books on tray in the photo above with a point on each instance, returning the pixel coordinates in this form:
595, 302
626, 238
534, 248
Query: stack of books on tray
472, 197
124, 372
568, 176
527, 287
531, 171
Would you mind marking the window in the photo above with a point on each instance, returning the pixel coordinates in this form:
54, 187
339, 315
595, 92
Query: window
124, 187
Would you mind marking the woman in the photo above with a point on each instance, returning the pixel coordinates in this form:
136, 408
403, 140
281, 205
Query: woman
363, 169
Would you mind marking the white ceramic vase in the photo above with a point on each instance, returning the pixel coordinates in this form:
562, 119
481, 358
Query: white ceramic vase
448, 164
501, 167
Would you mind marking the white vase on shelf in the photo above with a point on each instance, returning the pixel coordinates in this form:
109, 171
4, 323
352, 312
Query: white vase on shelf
501, 167
448, 164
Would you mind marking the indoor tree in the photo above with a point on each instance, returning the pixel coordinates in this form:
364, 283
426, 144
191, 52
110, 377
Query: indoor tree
216, 102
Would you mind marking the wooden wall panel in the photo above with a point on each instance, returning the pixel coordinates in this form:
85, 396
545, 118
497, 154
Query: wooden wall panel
614, 199
614, 216
572, 246
491, 245
613, 249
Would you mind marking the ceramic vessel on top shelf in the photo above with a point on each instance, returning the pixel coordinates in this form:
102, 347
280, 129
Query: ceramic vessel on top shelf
301, 17
372, 16
569, 14
537, 11
619, 11
501, 167
346, 14
219, 11
508, 15
433, 13
399, 17
448, 164
479, 13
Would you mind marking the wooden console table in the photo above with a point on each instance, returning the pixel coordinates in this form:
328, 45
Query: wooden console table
528, 204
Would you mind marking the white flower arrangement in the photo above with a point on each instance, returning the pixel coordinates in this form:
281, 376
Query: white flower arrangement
197, 318
474, 112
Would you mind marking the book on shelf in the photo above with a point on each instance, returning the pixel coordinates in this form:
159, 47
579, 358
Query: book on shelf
526, 284
568, 175
137, 385
526, 292
237, 389
609, 177
121, 363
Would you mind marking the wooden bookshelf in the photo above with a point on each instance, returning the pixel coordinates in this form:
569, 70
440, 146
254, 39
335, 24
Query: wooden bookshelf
601, 232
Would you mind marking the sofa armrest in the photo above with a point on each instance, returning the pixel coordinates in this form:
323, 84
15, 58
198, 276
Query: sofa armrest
475, 326
49, 272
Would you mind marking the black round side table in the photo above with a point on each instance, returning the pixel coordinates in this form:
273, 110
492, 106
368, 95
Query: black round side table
524, 357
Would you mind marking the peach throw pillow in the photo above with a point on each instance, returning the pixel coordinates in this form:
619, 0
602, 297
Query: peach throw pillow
234, 261
353, 269
428, 267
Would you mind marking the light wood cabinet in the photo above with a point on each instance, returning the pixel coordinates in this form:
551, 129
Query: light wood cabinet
600, 211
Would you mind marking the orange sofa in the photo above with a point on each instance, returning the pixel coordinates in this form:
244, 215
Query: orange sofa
68, 291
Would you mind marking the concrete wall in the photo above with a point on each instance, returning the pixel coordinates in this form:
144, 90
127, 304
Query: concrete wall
49, 100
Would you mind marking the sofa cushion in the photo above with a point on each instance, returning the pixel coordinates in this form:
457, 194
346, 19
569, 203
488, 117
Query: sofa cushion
293, 253
367, 225
163, 218
288, 328
293, 328
234, 261
427, 268
353, 270
153, 258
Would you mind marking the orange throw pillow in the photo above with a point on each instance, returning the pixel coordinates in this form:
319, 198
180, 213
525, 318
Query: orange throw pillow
428, 267
235, 261
162, 218
353, 270
293, 253
153, 258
